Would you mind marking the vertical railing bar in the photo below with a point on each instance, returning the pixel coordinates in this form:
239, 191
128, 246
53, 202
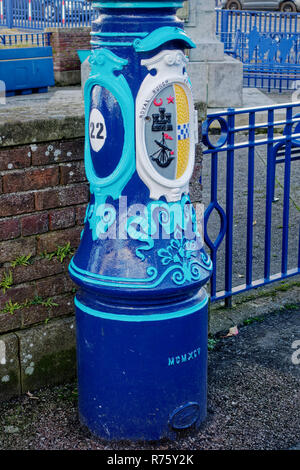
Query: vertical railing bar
40, 14
229, 205
250, 205
214, 198
270, 182
287, 183
260, 20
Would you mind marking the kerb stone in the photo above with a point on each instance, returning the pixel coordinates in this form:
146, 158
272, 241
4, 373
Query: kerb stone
9, 367
47, 354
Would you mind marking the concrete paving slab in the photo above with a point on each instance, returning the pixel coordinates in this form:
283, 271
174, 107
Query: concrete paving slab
45, 117
57, 103
255, 98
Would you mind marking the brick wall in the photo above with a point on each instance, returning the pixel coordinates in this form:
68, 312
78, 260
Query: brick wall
65, 42
43, 198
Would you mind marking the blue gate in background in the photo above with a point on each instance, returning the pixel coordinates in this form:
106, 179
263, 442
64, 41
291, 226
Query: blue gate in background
252, 220
267, 43
40, 14
228, 22
25, 39
4, 20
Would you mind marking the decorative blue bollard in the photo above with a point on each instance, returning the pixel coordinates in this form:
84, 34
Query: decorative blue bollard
141, 308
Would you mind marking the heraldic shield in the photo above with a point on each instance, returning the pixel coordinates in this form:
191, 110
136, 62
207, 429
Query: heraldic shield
166, 127
167, 132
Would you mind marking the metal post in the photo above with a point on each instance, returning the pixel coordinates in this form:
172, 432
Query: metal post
141, 309
9, 13
224, 28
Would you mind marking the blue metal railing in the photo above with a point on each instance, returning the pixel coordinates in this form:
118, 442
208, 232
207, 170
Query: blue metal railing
3, 13
231, 21
267, 43
25, 39
40, 14
275, 141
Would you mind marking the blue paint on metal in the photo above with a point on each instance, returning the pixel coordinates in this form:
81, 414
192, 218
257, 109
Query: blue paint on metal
150, 42
83, 55
185, 258
230, 21
267, 43
116, 34
104, 64
141, 318
135, 376
161, 36
70, 14
278, 152
26, 69
280, 149
40, 14
141, 308
138, 4
111, 43
28, 39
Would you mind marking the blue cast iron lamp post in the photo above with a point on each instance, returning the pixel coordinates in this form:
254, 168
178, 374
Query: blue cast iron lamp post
141, 308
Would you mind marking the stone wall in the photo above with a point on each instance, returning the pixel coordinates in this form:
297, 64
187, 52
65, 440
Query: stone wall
65, 42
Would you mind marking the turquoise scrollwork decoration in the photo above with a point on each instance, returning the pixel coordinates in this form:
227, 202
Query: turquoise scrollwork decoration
104, 64
182, 256
161, 36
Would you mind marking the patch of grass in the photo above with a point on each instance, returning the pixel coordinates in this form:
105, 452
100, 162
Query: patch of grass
68, 395
251, 320
285, 286
6, 281
60, 253
23, 260
37, 300
291, 306
211, 343
11, 307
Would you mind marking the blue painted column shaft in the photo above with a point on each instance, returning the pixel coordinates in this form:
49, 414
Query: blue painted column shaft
141, 308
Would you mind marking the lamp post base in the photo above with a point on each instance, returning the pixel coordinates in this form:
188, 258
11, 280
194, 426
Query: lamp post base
142, 375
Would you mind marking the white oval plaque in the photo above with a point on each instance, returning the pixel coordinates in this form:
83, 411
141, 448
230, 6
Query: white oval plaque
97, 130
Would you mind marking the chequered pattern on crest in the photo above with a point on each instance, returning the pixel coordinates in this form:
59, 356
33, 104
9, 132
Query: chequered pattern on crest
183, 131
